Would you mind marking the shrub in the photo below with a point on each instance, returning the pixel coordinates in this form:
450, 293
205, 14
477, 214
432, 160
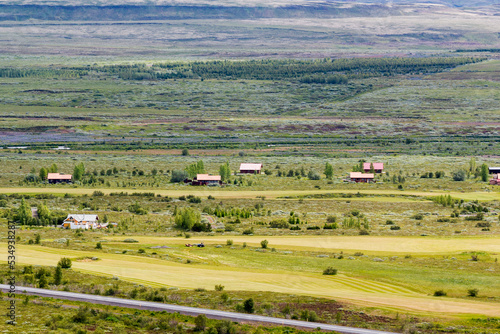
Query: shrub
186, 218
472, 292
313, 175
332, 226
137, 209
478, 216
483, 224
229, 242
364, 232
98, 245
395, 227
248, 231
65, 263
178, 176
459, 175
279, 224
389, 222
201, 322
130, 240
307, 315
439, 293
331, 219
330, 271
248, 305
219, 287
97, 193
264, 244
417, 216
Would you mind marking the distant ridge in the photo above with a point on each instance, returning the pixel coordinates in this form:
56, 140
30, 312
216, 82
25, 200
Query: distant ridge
145, 13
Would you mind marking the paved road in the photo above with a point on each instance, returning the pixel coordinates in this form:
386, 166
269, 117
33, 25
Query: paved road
214, 314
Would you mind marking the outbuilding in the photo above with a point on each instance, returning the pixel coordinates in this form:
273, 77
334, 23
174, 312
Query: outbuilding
378, 167
206, 180
246, 168
59, 178
361, 177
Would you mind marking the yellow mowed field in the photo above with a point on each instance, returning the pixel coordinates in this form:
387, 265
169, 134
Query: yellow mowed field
155, 272
376, 244
269, 194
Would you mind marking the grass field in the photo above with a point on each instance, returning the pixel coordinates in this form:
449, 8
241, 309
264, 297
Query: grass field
358, 290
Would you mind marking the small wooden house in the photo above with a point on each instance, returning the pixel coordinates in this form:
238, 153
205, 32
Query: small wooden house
84, 222
361, 177
206, 180
246, 168
378, 167
59, 178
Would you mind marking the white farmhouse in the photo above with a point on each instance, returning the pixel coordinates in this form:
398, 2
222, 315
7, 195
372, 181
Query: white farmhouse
85, 222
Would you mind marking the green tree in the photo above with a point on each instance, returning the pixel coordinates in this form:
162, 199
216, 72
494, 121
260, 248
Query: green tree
58, 275
264, 243
185, 152
372, 170
78, 171
195, 168
44, 214
24, 213
328, 171
225, 172
248, 305
178, 176
42, 282
43, 173
484, 172
201, 322
65, 263
186, 218
53, 168
472, 165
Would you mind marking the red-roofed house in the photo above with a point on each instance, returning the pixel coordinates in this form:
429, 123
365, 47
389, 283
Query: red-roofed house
361, 177
378, 167
59, 177
206, 180
250, 168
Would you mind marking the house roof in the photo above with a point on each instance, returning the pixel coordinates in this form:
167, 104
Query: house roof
376, 165
59, 176
83, 218
206, 177
358, 175
245, 166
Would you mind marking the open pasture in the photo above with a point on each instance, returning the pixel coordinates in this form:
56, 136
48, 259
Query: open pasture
359, 281
380, 245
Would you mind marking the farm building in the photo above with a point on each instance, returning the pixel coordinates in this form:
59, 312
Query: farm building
59, 178
494, 170
250, 168
74, 222
206, 180
495, 180
378, 167
361, 177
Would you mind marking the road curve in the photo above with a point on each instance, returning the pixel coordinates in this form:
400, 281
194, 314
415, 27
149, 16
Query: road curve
194, 311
